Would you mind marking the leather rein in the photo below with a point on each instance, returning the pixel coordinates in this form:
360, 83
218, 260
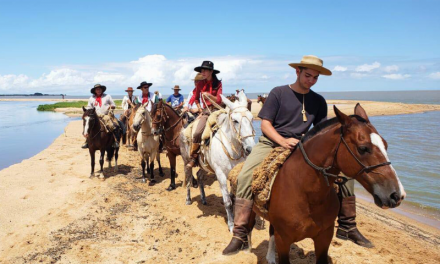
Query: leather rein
340, 179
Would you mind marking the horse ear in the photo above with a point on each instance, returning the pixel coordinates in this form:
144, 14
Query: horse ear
84, 109
227, 102
242, 98
343, 118
358, 110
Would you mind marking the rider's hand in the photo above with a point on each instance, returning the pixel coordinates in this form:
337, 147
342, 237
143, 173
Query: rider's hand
289, 143
200, 110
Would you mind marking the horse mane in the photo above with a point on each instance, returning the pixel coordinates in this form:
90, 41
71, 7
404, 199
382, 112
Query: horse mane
326, 124
169, 106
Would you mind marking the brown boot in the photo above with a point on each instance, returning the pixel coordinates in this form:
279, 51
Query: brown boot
242, 213
347, 229
194, 155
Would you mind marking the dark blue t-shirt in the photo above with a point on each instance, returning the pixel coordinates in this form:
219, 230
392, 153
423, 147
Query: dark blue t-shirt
175, 100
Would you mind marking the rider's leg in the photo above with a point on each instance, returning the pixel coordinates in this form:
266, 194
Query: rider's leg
347, 229
244, 199
197, 140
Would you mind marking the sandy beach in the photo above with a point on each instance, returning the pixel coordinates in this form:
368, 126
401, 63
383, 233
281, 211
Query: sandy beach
52, 212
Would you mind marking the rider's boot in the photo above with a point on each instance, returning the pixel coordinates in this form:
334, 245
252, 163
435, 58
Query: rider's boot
242, 213
85, 145
347, 229
194, 155
117, 134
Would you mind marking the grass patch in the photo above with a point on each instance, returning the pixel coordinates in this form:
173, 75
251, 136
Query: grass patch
77, 104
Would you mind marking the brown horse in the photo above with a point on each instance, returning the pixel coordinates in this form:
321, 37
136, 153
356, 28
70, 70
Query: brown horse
304, 205
261, 99
169, 123
98, 139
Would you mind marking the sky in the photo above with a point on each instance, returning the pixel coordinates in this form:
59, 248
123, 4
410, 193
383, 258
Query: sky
68, 46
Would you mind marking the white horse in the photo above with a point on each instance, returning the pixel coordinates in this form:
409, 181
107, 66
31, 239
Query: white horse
229, 146
148, 144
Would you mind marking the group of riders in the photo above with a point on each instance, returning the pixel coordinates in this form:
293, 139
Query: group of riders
287, 114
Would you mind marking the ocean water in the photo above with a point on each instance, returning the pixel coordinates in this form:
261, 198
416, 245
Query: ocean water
25, 132
413, 148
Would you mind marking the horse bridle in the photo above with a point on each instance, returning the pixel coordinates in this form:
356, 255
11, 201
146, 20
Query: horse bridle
243, 115
340, 179
91, 128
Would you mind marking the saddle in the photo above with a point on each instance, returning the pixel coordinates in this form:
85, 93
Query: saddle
263, 177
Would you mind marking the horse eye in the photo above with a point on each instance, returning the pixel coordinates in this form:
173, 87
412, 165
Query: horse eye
235, 121
362, 150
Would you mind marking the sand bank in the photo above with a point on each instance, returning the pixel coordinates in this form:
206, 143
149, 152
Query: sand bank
52, 211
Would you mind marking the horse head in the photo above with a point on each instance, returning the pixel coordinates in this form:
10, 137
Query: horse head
363, 156
157, 112
259, 98
241, 121
89, 118
141, 116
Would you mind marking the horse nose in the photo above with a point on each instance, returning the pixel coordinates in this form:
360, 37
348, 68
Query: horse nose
248, 150
396, 198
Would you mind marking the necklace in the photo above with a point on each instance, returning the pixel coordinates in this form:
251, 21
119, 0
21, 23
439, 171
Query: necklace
303, 112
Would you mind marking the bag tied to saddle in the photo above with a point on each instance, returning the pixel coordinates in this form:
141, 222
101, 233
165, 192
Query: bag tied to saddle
263, 177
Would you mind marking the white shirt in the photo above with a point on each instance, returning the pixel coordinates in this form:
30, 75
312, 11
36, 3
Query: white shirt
126, 99
194, 105
106, 100
152, 100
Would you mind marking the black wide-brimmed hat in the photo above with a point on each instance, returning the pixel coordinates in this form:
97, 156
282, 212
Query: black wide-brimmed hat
98, 86
144, 83
209, 65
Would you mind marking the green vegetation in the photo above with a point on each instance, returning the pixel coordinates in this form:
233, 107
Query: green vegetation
76, 104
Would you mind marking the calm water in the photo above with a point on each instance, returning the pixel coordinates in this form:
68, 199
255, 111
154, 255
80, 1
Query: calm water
24, 131
413, 148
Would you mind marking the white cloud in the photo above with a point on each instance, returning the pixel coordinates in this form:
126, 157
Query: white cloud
340, 68
368, 67
10, 81
396, 76
435, 75
392, 68
358, 75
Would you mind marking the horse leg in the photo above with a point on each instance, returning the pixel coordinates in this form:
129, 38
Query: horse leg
148, 167
283, 249
101, 163
322, 243
201, 179
188, 176
161, 174
270, 256
222, 180
116, 159
143, 170
92, 162
172, 159
152, 180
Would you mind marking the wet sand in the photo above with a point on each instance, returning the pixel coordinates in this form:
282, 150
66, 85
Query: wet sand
52, 212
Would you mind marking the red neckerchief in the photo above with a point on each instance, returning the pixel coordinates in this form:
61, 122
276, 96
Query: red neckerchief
144, 100
98, 101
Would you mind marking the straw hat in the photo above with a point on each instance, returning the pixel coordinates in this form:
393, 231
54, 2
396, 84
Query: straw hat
98, 86
312, 62
176, 87
129, 89
199, 77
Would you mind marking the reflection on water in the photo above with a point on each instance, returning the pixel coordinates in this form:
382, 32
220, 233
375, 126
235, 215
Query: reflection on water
24, 131
413, 148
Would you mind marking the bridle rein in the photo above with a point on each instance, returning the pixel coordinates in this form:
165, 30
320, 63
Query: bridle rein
340, 179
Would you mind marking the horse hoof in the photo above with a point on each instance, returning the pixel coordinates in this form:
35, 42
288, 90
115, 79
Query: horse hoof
143, 180
171, 187
116, 169
161, 174
188, 202
92, 176
101, 177
152, 183
204, 202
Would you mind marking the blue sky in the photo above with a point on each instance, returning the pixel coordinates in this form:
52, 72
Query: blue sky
67, 46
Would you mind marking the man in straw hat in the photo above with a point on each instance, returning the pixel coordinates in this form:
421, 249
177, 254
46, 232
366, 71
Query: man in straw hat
103, 103
287, 114
129, 100
176, 99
